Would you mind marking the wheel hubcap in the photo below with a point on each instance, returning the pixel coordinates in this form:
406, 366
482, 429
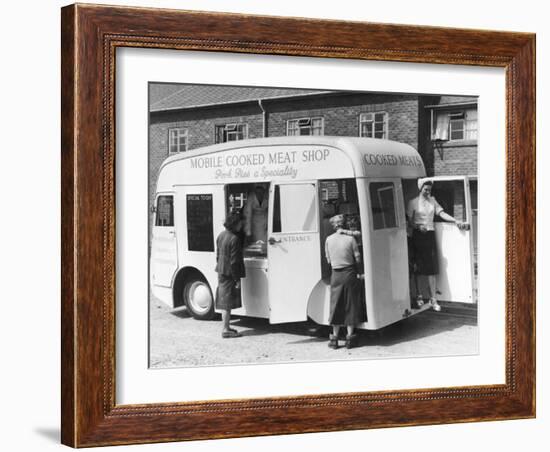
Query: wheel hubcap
200, 298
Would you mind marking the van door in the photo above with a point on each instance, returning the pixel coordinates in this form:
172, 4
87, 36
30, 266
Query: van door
455, 249
294, 262
164, 256
388, 253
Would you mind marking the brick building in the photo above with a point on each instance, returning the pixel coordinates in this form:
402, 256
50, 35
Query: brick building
183, 117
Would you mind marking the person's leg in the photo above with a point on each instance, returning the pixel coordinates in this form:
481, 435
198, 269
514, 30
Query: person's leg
434, 270
431, 285
333, 338
418, 279
226, 316
227, 331
417, 266
350, 338
433, 299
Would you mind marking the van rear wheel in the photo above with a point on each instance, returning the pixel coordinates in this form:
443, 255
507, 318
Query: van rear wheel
198, 298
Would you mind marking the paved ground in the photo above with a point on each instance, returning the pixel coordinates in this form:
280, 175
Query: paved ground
178, 340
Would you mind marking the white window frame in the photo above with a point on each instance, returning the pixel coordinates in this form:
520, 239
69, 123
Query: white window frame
315, 224
179, 133
307, 123
372, 114
233, 129
459, 115
393, 189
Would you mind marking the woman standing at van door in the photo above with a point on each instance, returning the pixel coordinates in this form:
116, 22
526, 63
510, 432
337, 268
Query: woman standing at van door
230, 269
420, 214
347, 307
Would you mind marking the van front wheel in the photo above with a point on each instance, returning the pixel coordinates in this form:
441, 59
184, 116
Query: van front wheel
198, 299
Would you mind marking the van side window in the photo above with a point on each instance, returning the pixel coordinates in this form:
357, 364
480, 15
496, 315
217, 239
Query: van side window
200, 227
295, 208
382, 195
165, 211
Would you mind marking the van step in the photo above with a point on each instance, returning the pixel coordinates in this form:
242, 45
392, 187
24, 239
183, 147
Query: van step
458, 309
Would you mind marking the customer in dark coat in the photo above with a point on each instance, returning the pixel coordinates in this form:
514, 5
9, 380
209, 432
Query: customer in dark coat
230, 269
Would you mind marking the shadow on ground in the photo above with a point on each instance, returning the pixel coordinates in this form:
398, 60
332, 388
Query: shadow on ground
425, 324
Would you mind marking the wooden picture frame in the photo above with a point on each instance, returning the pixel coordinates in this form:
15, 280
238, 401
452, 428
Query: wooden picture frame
90, 37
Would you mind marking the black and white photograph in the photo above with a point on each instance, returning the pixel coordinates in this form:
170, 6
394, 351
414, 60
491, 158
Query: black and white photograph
236, 225
301, 225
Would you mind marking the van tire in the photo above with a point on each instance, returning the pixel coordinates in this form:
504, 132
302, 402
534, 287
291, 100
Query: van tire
198, 298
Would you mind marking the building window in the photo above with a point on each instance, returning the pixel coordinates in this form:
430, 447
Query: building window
177, 140
231, 132
373, 125
305, 126
453, 125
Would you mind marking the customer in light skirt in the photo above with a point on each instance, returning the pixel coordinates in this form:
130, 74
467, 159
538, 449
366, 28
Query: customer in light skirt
347, 303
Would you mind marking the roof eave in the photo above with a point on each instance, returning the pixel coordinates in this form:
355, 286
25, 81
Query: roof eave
452, 105
237, 102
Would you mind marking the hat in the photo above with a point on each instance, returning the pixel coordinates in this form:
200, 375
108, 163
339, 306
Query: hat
337, 221
422, 182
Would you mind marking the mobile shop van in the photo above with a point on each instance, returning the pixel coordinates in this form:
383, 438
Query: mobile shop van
307, 181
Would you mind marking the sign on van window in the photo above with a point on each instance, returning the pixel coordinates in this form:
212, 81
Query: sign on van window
383, 205
200, 228
165, 211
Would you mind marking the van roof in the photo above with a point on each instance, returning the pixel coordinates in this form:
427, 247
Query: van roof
371, 157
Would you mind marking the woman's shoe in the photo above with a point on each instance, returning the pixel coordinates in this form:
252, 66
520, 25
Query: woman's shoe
230, 333
419, 301
350, 340
333, 341
435, 305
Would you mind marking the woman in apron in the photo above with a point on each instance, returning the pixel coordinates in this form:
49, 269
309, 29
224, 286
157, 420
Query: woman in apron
255, 215
420, 214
